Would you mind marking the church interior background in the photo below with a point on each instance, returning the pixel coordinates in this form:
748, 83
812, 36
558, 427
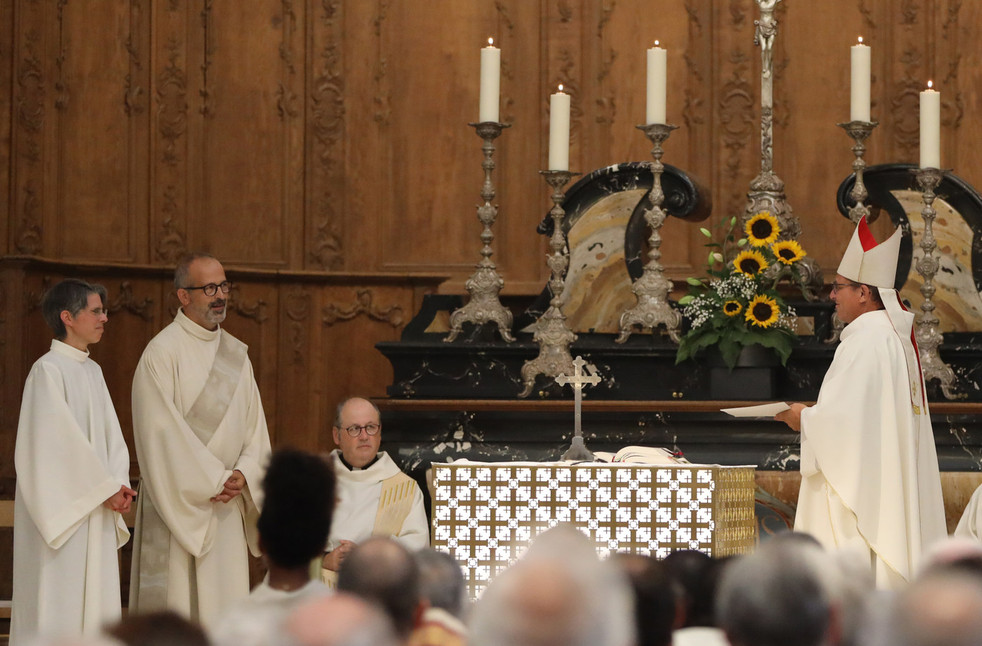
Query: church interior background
321, 150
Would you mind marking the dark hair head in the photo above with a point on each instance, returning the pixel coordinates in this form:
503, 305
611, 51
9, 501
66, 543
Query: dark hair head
696, 574
299, 502
183, 270
655, 598
163, 628
384, 572
71, 295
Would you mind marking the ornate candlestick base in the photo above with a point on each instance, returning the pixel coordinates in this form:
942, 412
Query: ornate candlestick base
652, 288
926, 331
485, 283
860, 132
552, 333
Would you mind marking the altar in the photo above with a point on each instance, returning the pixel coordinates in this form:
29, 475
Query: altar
485, 514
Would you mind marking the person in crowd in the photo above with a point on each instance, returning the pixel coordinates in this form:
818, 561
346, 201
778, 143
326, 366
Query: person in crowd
73, 477
443, 589
697, 576
338, 620
202, 442
657, 602
161, 628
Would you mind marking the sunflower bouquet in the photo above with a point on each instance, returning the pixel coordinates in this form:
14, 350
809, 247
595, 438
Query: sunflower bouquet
739, 305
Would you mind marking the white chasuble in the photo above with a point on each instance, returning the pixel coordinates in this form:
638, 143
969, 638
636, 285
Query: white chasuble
380, 500
869, 470
197, 417
70, 457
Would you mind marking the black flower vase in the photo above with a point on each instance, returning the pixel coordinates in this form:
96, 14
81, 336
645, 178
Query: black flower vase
753, 377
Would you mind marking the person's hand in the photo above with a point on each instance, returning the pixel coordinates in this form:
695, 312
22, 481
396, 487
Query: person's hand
333, 560
120, 501
792, 416
232, 487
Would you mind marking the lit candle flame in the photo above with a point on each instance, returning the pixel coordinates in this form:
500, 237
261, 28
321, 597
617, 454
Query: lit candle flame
930, 84
560, 87
860, 40
656, 43
491, 42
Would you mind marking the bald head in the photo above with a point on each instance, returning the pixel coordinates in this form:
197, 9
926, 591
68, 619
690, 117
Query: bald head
339, 620
382, 571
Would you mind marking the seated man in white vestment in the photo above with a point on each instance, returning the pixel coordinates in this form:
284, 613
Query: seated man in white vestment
298, 501
375, 498
73, 474
870, 481
201, 441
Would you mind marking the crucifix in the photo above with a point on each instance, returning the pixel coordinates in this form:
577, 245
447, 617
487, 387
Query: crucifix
581, 377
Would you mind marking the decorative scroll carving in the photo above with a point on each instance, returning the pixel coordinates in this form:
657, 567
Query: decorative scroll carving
737, 121
297, 308
692, 114
204, 92
908, 12
507, 102
867, 14
364, 304
903, 106
286, 103
382, 108
327, 124
738, 14
286, 98
170, 244
565, 11
172, 106
567, 67
61, 87
133, 95
254, 311
30, 100
606, 105
502, 10
124, 300
29, 236
956, 108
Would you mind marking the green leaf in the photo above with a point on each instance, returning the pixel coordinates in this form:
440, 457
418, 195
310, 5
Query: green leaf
733, 221
706, 232
685, 300
695, 282
742, 242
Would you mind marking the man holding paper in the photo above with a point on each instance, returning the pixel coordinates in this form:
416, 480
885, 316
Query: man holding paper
869, 471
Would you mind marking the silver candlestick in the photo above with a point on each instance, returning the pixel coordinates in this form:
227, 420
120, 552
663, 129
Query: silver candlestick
860, 132
552, 333
928, 335
652, 288
485, 283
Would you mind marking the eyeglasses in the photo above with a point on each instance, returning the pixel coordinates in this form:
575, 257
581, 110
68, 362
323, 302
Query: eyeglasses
837, 286
354, 430
211, 288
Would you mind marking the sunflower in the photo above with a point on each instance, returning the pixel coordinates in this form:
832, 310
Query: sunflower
732, 308
750, 263
788, 251
762, 229
762, 311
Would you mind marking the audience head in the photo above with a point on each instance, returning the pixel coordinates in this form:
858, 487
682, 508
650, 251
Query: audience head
558, 594
697, 575
163, 628
382, 571
441, 581
776, 596
338, 620
656, 598
357, 431
957, 551
943, 607
79, 304
298, 504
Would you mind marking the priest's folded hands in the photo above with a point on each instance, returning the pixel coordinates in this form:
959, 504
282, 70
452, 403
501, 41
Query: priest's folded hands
120, 501
232, 487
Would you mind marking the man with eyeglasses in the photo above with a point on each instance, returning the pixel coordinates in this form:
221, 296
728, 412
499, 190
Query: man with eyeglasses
73, 476
870, 481
375, 498
202, 444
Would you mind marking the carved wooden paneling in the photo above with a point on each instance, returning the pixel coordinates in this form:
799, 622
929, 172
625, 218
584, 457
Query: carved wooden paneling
6, 107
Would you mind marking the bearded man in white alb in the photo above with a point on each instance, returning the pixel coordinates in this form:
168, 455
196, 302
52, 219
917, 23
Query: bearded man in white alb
73, 474
201, 440
870, 481
375, 498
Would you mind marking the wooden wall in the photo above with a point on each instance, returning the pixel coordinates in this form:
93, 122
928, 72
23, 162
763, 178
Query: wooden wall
319, 143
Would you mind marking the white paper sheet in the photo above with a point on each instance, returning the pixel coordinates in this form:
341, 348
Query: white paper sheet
761, 410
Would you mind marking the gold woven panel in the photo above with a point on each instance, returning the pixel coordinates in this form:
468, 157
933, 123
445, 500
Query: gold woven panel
486, 514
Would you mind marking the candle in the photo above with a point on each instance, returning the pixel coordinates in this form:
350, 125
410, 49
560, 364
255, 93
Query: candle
859, 94
490, 82
930, 127
559, 131
657, 74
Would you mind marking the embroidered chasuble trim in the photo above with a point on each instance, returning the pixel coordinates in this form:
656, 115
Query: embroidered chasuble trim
395, 503
150, 557
212, 403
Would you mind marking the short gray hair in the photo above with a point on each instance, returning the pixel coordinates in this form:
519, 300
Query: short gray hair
183, 270
340, 407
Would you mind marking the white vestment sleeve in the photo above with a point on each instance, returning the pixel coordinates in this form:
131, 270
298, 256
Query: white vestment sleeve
184, 474
61, 478
415, 532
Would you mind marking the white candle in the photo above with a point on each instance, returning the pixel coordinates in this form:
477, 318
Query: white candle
490, 82
559, 131
657, 80
930, 128
859, 94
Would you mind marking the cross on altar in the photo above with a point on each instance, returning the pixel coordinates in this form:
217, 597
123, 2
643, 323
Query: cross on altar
581, 377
